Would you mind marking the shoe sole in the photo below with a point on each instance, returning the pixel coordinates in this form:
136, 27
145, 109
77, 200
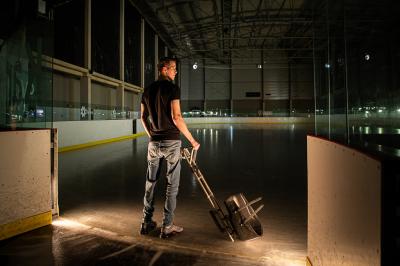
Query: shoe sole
163, 236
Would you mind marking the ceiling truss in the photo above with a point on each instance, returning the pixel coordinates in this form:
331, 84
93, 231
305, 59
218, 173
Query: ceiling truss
223, 30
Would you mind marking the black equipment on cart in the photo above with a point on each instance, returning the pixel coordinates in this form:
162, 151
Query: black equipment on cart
241, 221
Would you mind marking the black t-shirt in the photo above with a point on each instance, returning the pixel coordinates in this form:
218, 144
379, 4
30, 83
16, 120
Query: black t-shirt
157, 102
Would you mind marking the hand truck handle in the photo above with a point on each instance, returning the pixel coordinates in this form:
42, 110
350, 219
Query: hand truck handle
193, 155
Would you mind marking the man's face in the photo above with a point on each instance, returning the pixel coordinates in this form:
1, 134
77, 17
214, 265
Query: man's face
170, 70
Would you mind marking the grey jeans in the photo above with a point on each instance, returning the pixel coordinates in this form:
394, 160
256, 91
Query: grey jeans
157, 151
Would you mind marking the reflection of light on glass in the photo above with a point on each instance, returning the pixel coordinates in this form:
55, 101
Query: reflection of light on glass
367, 130
397, 130
398, 110
380, 111
292, 127
39, 112
194, 183
231, 134
360, 129
380, 130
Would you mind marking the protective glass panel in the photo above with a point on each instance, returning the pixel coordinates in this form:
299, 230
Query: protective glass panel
356, 71
26, 48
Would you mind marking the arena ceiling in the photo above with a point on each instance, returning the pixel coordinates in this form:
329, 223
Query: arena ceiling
223, 30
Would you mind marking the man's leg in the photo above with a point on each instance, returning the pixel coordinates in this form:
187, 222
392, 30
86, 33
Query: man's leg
172, 153
152, 174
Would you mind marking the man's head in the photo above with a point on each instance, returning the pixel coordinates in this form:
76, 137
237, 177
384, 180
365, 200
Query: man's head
167, 68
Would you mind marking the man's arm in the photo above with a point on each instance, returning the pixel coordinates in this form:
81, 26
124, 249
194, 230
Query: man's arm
143, 117
180, 123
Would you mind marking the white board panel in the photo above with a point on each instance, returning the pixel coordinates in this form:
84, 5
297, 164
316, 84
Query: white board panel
344, 205
25, 162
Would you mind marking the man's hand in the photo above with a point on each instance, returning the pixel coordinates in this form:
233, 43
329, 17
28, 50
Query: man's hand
195, 145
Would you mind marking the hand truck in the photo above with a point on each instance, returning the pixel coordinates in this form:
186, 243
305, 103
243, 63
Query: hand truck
241, 221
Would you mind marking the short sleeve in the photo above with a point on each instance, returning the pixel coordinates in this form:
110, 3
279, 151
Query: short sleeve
176, 95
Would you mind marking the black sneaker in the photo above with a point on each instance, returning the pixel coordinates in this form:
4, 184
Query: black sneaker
167, 231
146, 228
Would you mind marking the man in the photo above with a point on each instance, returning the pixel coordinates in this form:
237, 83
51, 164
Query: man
162, 119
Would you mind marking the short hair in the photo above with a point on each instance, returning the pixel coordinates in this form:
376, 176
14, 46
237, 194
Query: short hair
165, 61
